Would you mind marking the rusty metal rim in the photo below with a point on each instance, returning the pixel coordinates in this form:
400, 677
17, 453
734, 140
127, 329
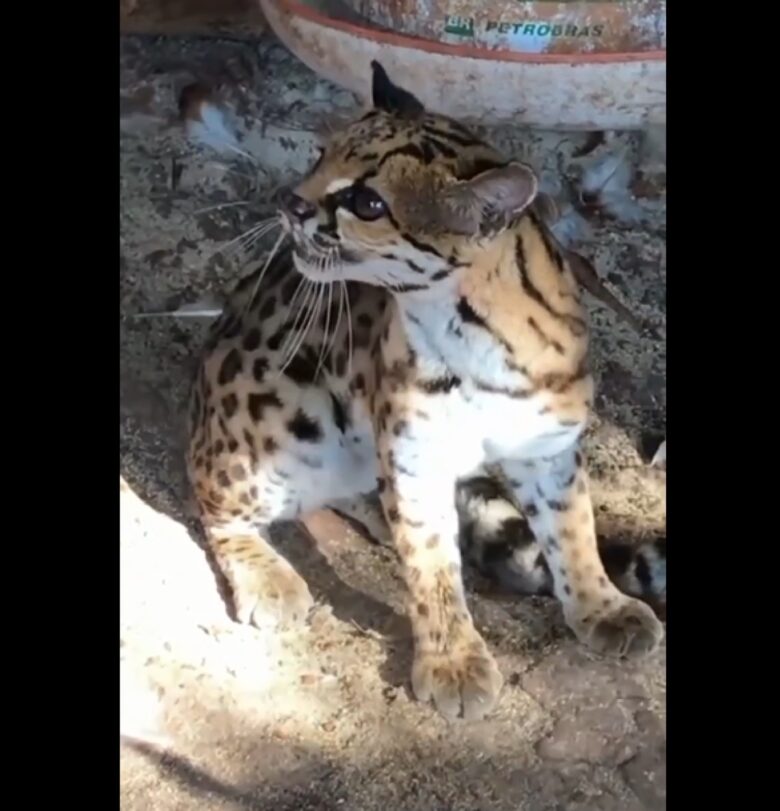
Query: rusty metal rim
296, 8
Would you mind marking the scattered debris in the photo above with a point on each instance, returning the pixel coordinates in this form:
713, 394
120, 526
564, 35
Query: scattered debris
594, 141
140, 711
606, 186
370, 633
587, 276
206, 123
659, 459
571, 227
203, 308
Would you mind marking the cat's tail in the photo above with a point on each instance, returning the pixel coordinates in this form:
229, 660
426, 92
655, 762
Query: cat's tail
497, 540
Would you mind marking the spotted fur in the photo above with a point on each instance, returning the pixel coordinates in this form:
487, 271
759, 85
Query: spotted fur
444, 368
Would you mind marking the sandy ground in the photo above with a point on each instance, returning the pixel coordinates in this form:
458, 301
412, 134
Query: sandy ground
228, 717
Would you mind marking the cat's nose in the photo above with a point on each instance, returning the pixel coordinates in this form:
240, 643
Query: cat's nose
295, 206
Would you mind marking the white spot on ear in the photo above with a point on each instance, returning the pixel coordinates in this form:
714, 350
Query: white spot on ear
337, 185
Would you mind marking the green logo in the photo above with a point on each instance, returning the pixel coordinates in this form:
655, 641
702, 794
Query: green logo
460, 26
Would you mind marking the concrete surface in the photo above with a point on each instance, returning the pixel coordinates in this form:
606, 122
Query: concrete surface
584, 92
229, 18
218, 716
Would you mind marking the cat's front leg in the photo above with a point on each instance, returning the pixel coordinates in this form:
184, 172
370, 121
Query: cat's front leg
554, 496
452, 664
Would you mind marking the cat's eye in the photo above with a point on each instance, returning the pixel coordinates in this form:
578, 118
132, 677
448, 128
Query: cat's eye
367, 204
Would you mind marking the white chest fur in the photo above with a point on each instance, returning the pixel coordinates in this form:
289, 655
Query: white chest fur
478, 425
512, 428
468, 428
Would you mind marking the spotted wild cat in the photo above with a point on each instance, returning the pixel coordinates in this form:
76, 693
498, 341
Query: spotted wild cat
421, 335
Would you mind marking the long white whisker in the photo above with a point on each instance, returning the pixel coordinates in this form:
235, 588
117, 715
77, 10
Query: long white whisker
267, 264
294, 300
221, 205
253, 240
254, 233
330, 345
251, 236
290, 338
314, 316
313, 313
338, 322
294, 335
263, 228
262, 224
349, 330
327, 330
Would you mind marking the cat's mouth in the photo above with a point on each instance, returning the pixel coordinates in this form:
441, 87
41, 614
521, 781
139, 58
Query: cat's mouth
318, 257
315, 263
312, 253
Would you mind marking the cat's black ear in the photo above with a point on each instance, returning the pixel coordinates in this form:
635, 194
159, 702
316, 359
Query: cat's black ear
391, 98
490, 201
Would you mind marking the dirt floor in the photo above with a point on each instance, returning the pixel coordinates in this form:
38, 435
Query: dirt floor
219, 716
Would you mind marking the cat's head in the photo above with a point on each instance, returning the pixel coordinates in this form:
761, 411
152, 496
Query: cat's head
402, 197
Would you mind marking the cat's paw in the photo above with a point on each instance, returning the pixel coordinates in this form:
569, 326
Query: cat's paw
272, 594
625, 628
463, 682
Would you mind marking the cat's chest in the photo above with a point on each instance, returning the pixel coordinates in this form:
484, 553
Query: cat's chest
467, 405
470, 428
511, 427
